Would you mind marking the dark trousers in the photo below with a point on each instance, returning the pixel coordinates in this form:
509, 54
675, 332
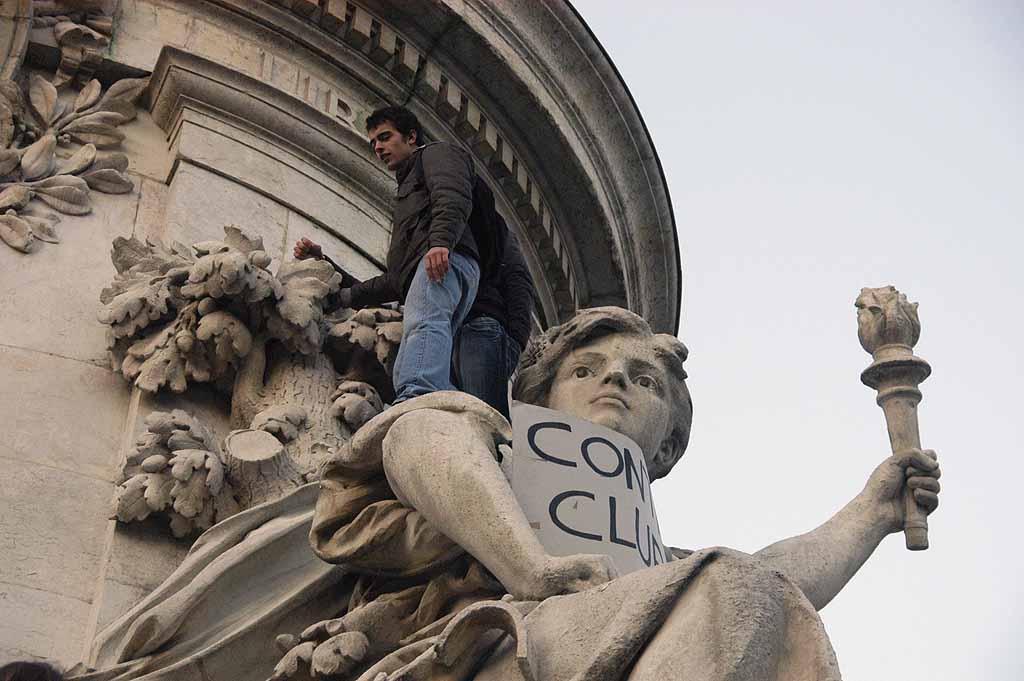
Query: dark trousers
485, 357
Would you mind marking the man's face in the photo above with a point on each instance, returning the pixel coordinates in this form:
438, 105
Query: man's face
618, 382
391, 146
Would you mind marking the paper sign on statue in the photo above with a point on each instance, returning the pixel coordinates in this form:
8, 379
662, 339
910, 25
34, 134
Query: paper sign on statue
584, 488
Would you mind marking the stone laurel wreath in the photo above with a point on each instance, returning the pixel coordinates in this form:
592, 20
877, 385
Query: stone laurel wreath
32, 130
210, 314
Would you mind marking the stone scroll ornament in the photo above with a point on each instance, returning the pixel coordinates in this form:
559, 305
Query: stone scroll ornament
299, 382
888, 328
82, 30
53, 151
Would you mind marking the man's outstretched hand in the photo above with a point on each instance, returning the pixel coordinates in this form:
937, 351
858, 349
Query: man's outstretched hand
436, 262
304, 248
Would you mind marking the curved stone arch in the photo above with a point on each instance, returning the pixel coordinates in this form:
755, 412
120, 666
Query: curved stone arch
389, 76
568, 205
188, 90
576, 125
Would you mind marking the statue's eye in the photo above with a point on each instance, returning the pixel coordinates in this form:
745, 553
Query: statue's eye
581, 372
648, 382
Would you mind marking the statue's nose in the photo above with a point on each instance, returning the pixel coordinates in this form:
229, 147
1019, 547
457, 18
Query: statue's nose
615, 375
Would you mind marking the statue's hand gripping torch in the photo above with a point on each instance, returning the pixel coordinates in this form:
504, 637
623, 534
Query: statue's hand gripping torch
888, 328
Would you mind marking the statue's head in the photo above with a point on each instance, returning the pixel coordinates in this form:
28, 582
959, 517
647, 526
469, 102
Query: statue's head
605, 365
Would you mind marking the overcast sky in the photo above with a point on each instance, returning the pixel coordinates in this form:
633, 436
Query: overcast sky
812, 149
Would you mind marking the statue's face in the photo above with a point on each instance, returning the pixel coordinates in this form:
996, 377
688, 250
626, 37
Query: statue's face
618, 382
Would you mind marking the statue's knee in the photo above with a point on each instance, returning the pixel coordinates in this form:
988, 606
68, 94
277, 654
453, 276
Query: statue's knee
415, 435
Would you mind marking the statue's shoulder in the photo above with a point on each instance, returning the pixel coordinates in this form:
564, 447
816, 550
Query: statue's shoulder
679, 554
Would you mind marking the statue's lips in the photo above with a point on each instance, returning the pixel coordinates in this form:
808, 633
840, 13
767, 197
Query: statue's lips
611, 399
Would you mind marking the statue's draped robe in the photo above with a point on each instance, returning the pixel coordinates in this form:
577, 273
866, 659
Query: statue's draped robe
245, 580
400, 582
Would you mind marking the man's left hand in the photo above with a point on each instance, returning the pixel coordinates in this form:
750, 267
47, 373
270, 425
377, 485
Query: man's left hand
436, 262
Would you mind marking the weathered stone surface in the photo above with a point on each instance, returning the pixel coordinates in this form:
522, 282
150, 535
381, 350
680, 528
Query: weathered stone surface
114, 599
15, 26
60, 284
357, 264
290, 180
45, 555
201, 203
144, 26
60, 414
143, 554
145, 145
152, 208
42, 625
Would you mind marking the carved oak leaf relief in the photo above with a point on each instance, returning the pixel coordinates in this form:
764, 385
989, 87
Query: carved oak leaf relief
177, 314
366, 341
39, 129
175, 471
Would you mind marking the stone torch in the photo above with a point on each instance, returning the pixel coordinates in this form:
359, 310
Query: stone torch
888, 328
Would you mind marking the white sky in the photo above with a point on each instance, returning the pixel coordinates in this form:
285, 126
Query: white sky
812, 149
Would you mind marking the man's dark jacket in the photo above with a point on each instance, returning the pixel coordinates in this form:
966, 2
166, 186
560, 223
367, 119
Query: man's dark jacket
432, 207
508, 294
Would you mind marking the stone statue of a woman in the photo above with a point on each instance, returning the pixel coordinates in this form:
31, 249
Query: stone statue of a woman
417, 508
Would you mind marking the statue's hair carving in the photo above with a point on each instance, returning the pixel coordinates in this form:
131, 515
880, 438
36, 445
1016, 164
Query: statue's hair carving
539, 365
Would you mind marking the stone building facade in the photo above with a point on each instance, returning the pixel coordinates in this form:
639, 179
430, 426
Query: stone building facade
249, 113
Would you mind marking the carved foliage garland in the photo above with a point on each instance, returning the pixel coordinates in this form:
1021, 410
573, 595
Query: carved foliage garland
36, 126
178, 314
300, 383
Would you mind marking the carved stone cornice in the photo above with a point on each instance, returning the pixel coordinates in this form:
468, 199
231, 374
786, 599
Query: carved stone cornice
528, 150
603, 125
301, 131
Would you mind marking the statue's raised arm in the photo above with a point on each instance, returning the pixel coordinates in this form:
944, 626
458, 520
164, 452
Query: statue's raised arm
903, 489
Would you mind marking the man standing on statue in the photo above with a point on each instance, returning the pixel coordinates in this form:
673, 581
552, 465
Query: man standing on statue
433, 260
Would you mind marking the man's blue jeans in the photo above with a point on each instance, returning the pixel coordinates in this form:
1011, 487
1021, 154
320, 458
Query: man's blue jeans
485, 357
434, 311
